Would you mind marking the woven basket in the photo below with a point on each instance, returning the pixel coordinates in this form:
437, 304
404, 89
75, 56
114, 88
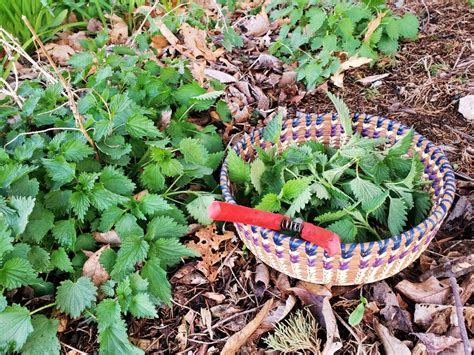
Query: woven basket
358, 263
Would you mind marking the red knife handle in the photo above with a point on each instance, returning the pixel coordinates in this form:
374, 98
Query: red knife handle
222, 211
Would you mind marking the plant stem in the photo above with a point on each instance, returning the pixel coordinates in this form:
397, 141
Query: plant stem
49, 305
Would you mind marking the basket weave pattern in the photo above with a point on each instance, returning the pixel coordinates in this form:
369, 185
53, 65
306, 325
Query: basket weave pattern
357, 263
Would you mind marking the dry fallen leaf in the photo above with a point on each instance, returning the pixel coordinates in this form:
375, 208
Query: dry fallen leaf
372, 78
94, 25
392, 345
61, 53
206, 317
353, 62
428, 291
218, 297
277, 314
373, 25
435, 343
195, 41
427, 314
223, 311
236, 341
257, 25
220, 76
119, 29
208, 247
262, 278
110, 237
93, 268
333, 339
159, 42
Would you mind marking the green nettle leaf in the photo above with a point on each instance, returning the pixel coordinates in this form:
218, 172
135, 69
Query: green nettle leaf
388, 45
24, 207
159, 285
59, 170
74, 297
239, 170
139, 126
320, 191
142, 307
65, 232
316, 21
109, 217
397, 215
331, 216
409, 26
80, 204
132, 250
422, 201
343, 113
151, 203
393, 28
15, 326
299, 202
193, 151
257, 168
345, 229
402, 146
171, 251
39, 259
165, 227
198, 208
3, 303
16, 272
115, 181
61, 261
365, 191
76, 150
43, 339
113, 337
272, 131
172, 167
376, 202
101, 198
270, 202
231, 39
152, 178
294, 187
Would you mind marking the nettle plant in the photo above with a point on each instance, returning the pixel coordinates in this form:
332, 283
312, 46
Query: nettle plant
365, 190
318, 33
133, 188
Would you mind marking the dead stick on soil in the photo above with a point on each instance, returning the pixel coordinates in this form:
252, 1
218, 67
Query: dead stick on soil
72, 103
359, 342
459, 312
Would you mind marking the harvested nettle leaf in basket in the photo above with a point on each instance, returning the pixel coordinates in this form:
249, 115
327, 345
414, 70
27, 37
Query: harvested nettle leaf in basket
379, 185
364, 190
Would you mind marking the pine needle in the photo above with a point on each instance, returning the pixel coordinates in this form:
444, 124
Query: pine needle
299, 332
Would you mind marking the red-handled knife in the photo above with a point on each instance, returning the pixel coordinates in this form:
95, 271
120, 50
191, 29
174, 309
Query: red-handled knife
222, 211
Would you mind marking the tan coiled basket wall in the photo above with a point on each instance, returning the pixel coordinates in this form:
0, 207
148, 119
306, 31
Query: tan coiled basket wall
358, 263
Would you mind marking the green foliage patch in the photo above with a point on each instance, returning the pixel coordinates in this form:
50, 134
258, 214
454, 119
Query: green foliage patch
149, 168
316, 33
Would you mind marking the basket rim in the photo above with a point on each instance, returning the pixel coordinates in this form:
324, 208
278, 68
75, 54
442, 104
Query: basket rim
438, 211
